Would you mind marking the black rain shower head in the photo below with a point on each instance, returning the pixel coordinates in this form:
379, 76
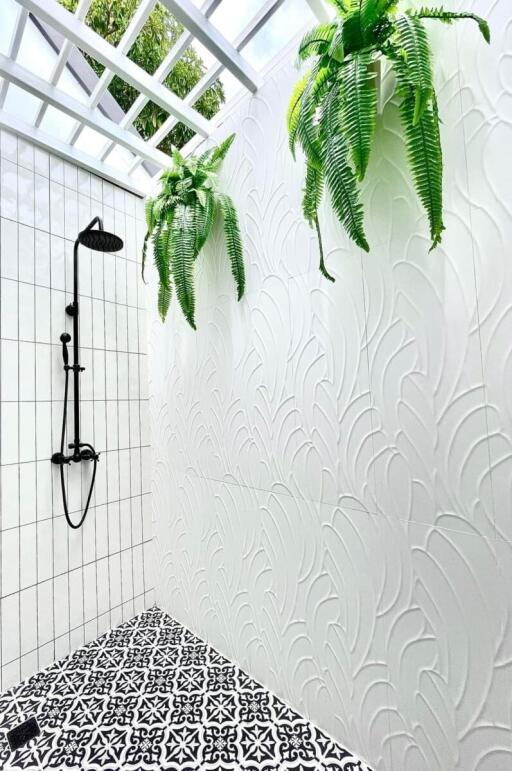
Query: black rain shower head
100, 240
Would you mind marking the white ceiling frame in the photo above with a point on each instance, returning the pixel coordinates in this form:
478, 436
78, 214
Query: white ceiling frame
54, 96
14, 47
62, 58
207, 34
83, 37
47, 142
161, 73
137, 21
244, 37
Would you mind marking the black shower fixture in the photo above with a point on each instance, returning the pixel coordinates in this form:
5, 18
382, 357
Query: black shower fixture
100, 241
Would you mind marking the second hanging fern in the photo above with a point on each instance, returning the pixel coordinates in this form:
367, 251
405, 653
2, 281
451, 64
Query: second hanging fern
179, 221
333, 109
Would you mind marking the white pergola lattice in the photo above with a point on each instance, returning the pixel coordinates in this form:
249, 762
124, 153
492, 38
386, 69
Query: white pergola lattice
119, 153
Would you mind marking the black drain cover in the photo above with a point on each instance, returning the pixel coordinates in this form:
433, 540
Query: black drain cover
23, 733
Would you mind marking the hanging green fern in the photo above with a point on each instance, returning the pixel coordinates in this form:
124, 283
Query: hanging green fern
332, 112
179, 221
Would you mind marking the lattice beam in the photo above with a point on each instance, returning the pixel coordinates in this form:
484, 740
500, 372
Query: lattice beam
207, 34
54, 96
162, 72
14, 47
38, 137
86, 39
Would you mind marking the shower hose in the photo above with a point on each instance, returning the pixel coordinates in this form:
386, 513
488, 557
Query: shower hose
92, 455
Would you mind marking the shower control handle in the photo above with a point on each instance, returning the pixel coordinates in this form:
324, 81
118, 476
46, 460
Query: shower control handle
60, 459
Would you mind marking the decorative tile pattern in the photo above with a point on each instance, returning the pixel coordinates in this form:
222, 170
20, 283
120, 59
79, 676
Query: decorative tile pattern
150, 695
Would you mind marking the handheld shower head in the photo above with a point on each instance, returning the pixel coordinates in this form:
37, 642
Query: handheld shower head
100, 240
65, 339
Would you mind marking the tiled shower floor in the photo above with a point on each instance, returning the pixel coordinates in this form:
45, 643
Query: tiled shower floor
149, 695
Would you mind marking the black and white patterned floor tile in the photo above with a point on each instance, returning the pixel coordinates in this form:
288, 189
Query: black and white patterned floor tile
149, 696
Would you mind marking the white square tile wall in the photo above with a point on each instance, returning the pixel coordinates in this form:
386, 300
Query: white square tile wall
58, 587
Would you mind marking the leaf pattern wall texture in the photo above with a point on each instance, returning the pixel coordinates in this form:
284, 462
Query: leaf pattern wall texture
333, 462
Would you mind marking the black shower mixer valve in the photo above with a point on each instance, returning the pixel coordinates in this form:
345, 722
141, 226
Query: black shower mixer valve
87, 453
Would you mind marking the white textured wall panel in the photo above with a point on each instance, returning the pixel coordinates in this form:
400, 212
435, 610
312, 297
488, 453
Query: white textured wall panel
333, 462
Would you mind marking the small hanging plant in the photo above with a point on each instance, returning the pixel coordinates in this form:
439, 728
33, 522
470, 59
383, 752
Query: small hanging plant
179, 221
333, 109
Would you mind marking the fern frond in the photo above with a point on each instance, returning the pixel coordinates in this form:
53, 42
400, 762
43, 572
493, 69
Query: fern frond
341, 6
342, 186
161, 247
313, 191
413, 41
359, 108
184, 186
424, 155
373, 11
178, 158
164, 300
148, 211
203, 221
323, 270
353, 32
293, 114
170, 176
316, 41
219, 153
144, 254
233, 242
340, 179
200, 195
307, 129
337, 47
159, 204
366, 24
182, 242
449, 16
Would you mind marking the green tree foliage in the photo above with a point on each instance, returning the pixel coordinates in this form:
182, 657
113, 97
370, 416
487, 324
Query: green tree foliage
110, 18
333, 109
179, 221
